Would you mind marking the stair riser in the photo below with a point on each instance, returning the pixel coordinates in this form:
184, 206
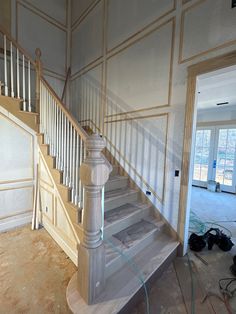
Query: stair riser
64, 192
114, 172
140, 294
57, 176
51, 162
116, 184
119, 201
126, 222
118, 262
45, 149
40, 139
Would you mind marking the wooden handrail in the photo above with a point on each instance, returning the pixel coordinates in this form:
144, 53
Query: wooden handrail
15, 43
62, 106
66, 82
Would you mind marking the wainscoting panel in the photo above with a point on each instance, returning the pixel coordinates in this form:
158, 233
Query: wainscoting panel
141, 74
35, 32
16, 151
207, 25
78, 8
15, 201
86, 90
87, 39
125, 18
140, 146
55, 9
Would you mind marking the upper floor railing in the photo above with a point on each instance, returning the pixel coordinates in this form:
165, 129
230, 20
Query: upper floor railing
18, 72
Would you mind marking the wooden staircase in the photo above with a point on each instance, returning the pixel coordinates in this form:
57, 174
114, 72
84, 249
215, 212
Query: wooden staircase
135, 245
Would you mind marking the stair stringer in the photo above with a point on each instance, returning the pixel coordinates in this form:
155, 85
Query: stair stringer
13, 107
57, 220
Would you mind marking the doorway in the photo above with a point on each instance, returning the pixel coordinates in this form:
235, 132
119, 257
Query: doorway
213, 156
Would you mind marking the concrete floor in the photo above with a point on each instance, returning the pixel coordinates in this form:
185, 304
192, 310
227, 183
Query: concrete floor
34, 273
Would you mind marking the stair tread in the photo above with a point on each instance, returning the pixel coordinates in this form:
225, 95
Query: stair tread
124, 211
118, 193
129, 238
29, 112
117, 177
125, 283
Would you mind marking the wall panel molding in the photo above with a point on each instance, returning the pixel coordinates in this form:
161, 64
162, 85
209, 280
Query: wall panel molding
84, 14
141, 30
183, 59
40, 13
137, 40
159, 197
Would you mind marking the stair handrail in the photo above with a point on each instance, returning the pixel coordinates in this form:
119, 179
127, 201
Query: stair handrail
3, 31
79, 156
62, 106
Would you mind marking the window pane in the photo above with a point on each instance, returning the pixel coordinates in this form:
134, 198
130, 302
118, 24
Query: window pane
201, 158
226, 156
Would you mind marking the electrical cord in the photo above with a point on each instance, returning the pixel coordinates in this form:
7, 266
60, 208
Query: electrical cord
199, 227
192, 287
135, 268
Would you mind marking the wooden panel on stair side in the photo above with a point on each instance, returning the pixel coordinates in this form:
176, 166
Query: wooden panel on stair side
13, 106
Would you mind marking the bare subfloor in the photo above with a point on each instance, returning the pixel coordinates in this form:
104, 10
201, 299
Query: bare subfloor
34, 273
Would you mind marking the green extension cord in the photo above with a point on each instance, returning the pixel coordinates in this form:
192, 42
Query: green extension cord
199, 227
134, 267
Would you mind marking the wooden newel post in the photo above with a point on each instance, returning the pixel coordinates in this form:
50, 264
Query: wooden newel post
38, 76
94, 173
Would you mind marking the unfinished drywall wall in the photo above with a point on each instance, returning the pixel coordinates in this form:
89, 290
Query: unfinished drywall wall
5, 14
43, 24
17, 151
129, 66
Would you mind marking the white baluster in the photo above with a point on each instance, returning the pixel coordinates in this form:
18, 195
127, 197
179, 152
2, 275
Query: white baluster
67, 152
80, 163
40, 109
29, 88
17, 73
77, 169
23, 83
5, 67
57, 124
70, 156
73, 167
12, 74
64, 150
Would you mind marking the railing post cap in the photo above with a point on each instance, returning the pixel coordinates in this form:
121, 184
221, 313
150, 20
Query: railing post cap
38, 53
95, 142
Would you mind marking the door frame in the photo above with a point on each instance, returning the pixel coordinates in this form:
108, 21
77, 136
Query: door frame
216, 63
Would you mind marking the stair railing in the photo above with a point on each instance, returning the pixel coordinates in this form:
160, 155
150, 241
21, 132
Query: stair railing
66, 140
19, 72
78, 156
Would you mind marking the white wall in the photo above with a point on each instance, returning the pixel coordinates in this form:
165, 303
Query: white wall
143, 49
17, 151
216, 115
43, 24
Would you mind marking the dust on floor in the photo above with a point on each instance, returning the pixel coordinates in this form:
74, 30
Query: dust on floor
34, 273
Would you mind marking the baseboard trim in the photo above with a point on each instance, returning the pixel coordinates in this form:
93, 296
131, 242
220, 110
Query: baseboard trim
15, 221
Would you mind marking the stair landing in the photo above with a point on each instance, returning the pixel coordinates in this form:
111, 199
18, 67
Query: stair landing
150, 262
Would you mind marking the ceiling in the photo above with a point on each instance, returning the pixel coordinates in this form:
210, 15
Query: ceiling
217, 87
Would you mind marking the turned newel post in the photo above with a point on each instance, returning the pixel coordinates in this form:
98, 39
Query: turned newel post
94, 173
38, 76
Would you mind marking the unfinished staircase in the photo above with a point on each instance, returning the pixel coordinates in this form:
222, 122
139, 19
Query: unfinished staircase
122, 241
